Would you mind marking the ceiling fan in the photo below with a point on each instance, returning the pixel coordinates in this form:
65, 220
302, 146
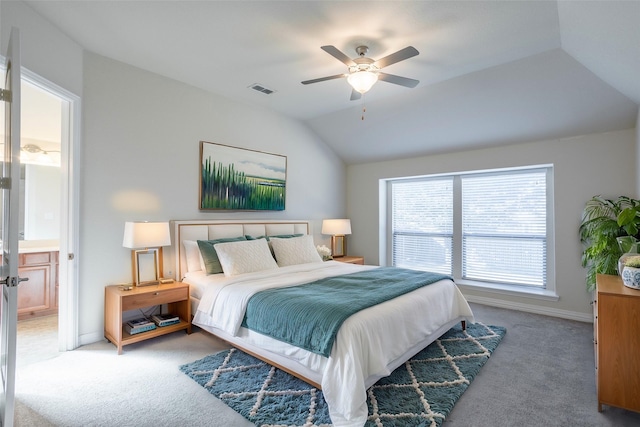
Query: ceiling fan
365, 72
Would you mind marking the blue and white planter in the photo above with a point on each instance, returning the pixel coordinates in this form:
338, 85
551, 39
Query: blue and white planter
631, 277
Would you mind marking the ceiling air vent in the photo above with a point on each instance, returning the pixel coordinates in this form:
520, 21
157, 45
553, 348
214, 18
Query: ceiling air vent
261, 88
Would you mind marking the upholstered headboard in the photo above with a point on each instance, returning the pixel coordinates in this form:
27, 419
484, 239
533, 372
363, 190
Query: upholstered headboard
216, 229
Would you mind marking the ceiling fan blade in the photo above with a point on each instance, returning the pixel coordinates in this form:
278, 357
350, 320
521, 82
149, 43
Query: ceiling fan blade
400, 55
355, 95
333, 51
402, 81
322, 79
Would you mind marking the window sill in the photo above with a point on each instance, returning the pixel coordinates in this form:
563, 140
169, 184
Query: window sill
514, 290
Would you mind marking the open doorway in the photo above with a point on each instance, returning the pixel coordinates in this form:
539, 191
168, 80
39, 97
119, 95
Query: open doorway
40, 207
47, 303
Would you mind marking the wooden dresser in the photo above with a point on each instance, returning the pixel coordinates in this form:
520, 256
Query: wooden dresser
616, 327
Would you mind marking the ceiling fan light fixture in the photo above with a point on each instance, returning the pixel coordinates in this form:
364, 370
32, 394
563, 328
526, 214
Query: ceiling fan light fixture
362, 81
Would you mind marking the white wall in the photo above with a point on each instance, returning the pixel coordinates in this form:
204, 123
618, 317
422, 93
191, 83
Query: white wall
45, 49
141, 162
140, 144
584, 166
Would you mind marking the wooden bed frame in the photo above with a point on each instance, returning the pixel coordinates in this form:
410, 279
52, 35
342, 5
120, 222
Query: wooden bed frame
215, 229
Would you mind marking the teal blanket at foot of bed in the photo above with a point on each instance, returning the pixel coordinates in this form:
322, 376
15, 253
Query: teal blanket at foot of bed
309, 315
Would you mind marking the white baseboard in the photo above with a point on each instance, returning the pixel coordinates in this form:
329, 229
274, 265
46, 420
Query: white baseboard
90, 338
536, 309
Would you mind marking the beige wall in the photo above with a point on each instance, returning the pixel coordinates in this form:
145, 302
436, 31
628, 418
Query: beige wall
584, 166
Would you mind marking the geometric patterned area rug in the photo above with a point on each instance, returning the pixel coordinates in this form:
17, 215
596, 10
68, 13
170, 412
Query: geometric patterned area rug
420, 392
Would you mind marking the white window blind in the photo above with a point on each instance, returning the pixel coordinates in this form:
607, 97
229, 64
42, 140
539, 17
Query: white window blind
504, 218
422, 218
482, 227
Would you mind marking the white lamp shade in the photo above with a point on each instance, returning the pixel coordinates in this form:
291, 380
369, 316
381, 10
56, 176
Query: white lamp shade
336, 227
362, 81
146, 235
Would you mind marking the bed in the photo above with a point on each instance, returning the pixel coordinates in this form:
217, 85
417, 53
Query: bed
369, 345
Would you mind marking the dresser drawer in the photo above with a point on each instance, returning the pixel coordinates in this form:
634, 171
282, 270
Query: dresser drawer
147, 299
35, 258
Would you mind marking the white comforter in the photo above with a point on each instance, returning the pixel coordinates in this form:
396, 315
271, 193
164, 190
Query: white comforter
369, 345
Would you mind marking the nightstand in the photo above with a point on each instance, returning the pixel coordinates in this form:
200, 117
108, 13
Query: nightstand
350, 259
117, 301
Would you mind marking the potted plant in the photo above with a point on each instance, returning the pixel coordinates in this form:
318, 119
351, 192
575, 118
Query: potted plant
603, 222
631, 272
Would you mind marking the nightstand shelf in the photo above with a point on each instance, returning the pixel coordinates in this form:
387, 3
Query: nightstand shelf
130, 339
117, 301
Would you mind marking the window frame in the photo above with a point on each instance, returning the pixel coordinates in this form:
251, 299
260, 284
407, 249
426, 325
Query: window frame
546, 293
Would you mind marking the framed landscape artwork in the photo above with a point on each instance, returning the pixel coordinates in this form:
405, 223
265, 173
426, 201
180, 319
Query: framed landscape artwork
240, 179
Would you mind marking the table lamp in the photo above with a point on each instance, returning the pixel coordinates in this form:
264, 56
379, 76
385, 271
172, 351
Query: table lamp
338, 229
146, 239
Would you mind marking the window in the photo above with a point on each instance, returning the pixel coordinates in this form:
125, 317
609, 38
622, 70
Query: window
482, 227
423, 224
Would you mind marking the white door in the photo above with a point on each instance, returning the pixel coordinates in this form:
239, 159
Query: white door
10, 202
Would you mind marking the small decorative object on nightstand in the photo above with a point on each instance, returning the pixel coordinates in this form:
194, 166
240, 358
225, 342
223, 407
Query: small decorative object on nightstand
324, 252
351, 259
117, 301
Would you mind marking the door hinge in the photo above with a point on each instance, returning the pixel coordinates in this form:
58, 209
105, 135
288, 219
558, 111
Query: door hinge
5, 95
5, 183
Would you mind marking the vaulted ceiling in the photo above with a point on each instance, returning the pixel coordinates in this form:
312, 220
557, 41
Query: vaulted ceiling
491, 72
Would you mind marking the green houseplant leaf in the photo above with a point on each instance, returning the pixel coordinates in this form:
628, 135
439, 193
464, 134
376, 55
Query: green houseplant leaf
603, 221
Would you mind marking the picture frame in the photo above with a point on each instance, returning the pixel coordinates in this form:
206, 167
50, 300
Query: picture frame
233, 178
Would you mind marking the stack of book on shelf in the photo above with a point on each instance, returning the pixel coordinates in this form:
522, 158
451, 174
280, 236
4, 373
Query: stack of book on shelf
165, 319
141, 324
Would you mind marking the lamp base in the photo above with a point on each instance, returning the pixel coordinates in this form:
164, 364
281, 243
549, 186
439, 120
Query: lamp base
148, 283
338, 246
146, 266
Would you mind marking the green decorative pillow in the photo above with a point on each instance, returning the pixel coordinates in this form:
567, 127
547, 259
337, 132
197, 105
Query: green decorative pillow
209, 255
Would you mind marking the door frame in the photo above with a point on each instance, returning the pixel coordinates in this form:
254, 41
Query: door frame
68, 334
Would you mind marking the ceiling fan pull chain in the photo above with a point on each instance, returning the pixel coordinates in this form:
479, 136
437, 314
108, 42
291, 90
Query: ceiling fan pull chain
364, 108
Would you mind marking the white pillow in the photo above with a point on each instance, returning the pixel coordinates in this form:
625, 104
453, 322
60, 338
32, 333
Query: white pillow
245, 256
194, 258
296, 250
